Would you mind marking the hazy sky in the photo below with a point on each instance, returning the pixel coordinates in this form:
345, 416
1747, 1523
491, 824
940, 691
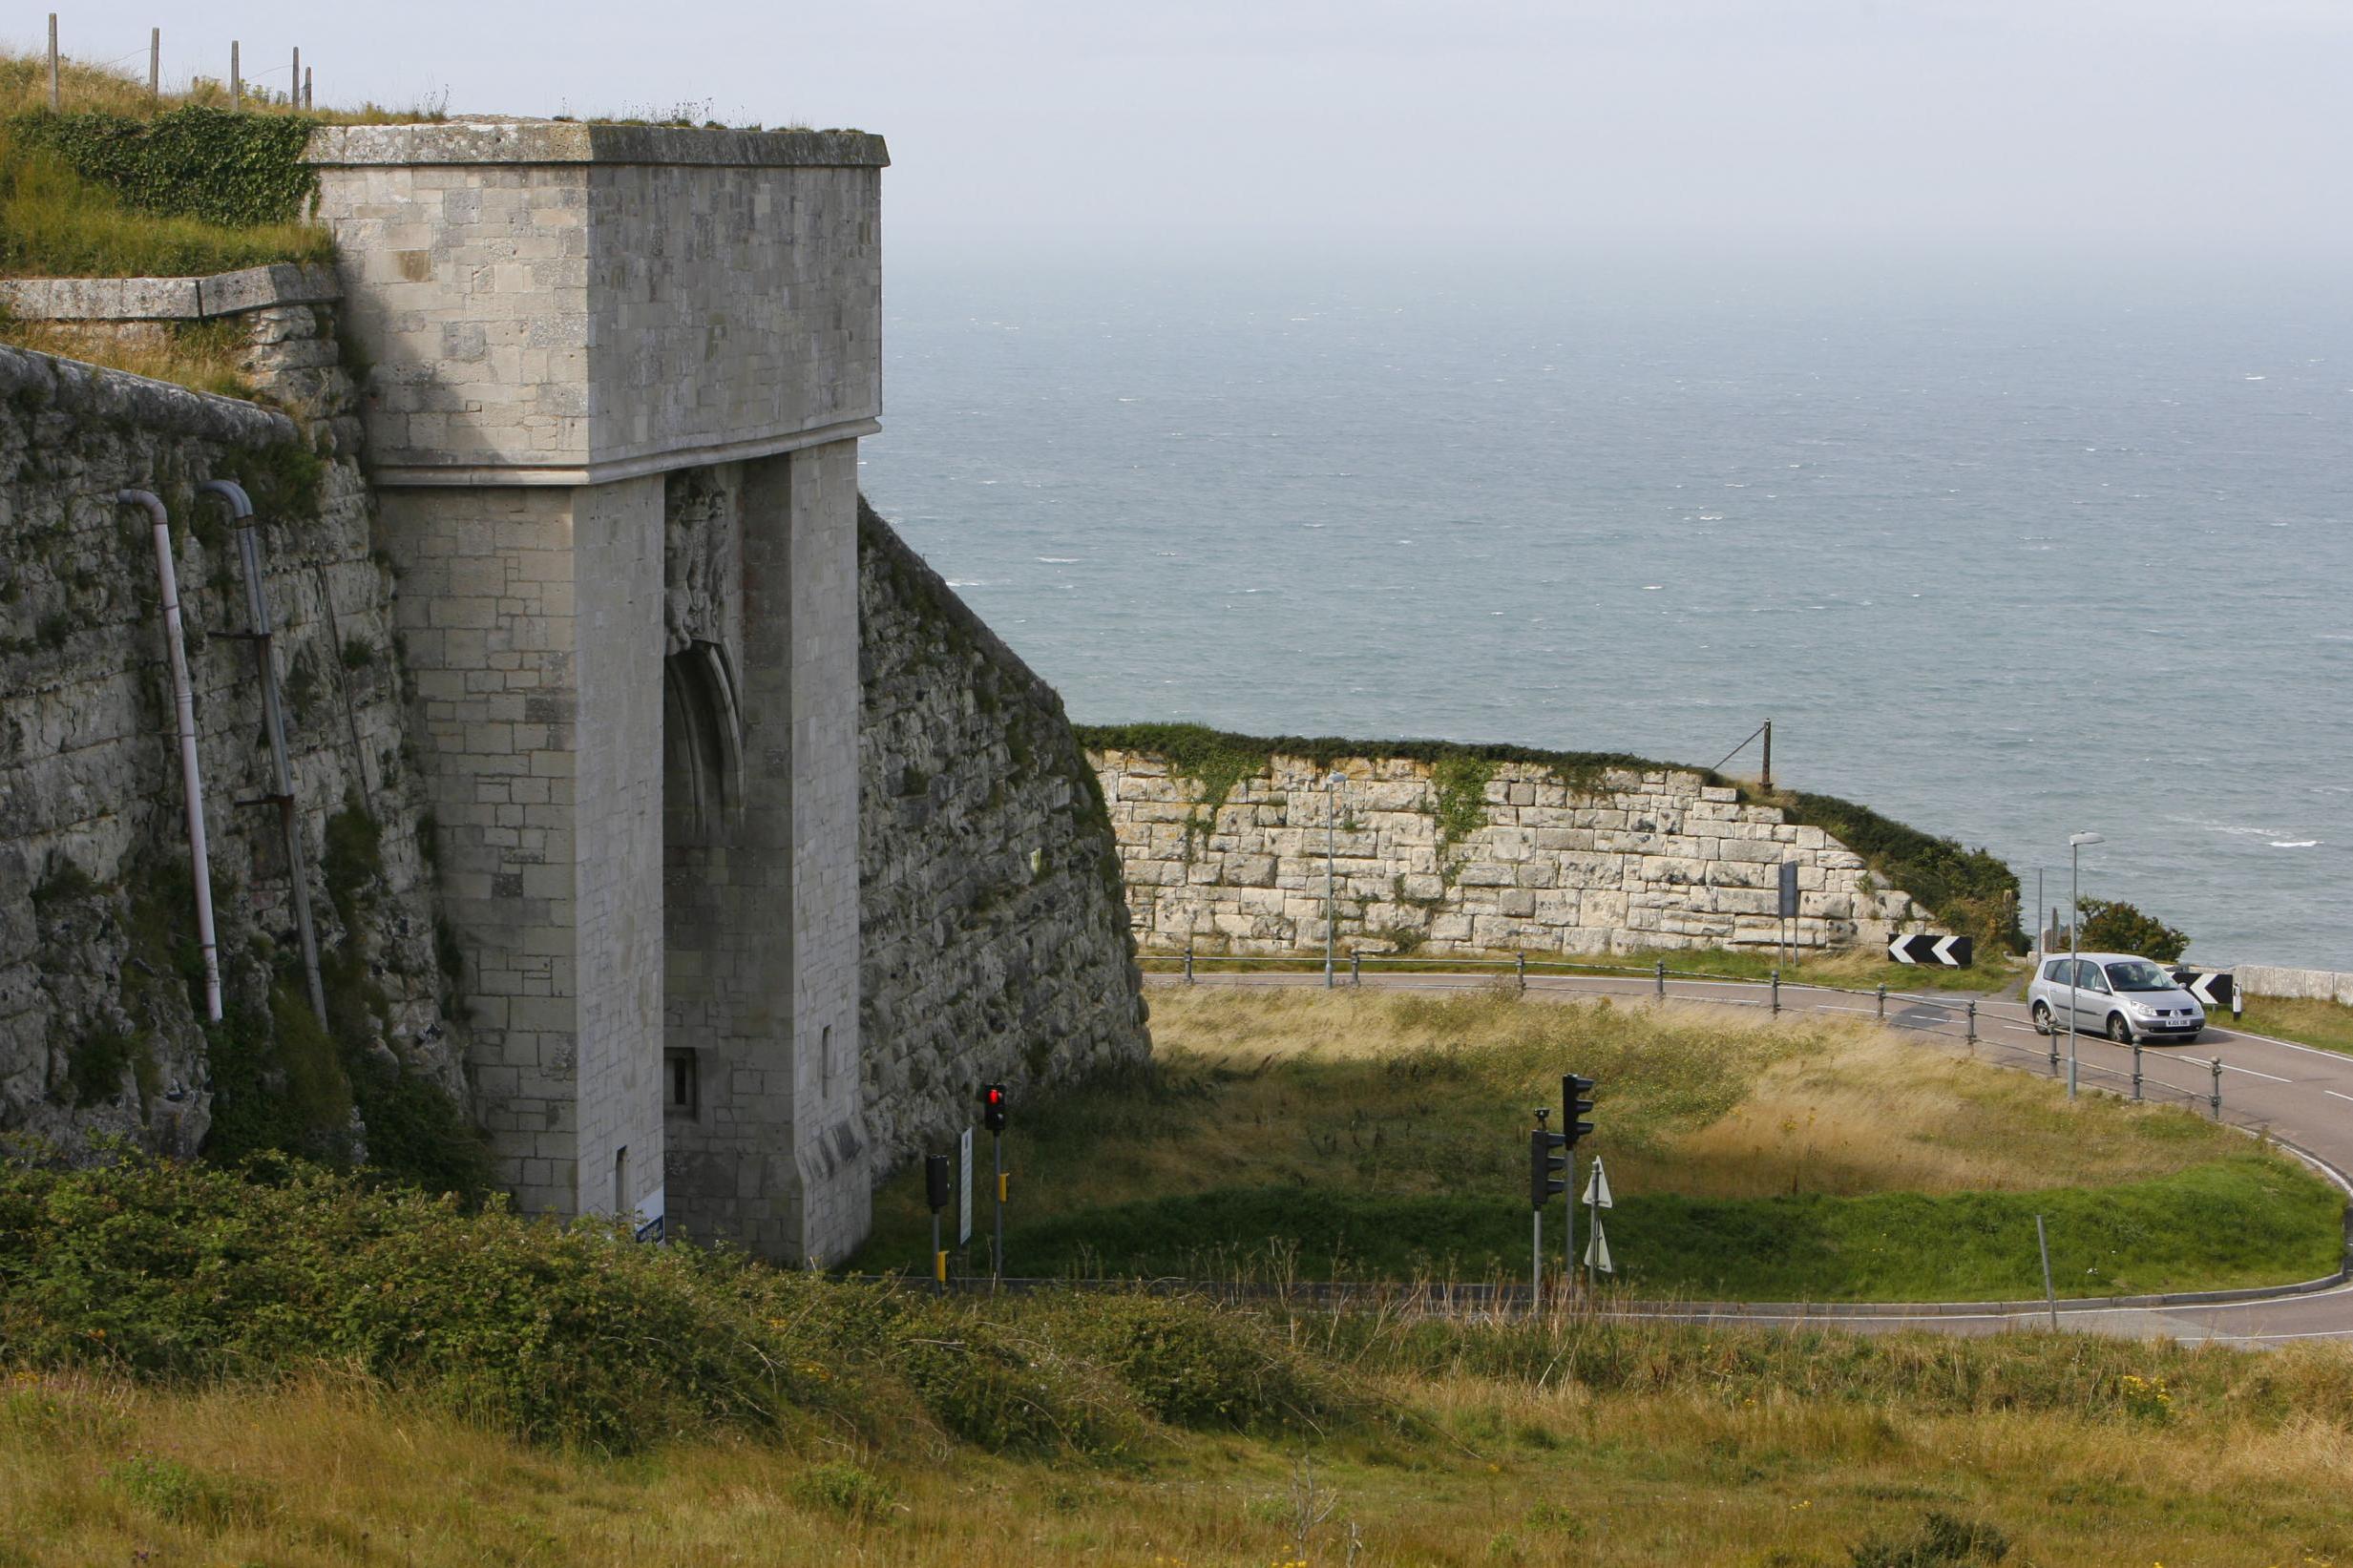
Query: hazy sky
2084, 127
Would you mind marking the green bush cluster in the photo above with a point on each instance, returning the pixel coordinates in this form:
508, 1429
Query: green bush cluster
575, 1335
216, 166
2113, 926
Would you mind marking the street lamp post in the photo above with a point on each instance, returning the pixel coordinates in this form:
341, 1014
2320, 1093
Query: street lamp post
1331, 904
2075, 842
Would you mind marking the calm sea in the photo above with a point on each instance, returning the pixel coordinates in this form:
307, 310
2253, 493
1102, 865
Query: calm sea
2004, 557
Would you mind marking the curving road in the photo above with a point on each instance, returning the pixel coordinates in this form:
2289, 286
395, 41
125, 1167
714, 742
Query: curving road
2298, 1094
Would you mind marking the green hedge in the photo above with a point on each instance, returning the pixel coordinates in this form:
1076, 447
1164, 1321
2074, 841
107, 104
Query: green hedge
230, 169
1970, 891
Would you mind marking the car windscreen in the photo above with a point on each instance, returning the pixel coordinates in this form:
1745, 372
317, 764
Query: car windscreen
2139, 974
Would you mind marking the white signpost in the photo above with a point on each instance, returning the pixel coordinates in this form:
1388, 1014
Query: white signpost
964, 1189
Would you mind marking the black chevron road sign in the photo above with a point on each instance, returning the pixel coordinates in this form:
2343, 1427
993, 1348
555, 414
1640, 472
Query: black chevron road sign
1945, 951
2212, 989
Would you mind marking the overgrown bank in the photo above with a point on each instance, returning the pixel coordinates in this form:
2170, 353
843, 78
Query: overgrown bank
299, 1369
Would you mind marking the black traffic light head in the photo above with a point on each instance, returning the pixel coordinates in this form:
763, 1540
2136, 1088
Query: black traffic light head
1546, 1167
936, 1181
993, 1107
1576, 1104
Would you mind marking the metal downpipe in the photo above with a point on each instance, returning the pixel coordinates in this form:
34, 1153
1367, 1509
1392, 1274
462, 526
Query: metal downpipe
183, 704
273, 716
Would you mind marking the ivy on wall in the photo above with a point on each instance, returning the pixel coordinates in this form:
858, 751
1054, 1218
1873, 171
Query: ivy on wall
230, 169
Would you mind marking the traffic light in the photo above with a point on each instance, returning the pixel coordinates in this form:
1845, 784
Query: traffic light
936, 1181
993, 1107
1576, 1104
1548, 1165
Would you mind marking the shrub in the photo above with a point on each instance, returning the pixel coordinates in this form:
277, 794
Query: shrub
2113, 926
846, 1489
180, 1493
1942, 1541
1194, 1364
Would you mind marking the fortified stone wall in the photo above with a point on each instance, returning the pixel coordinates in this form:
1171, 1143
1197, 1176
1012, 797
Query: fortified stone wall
997, 942
99, 999
601, 355
1524, 860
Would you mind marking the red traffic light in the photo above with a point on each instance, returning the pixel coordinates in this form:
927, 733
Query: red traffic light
993, 1107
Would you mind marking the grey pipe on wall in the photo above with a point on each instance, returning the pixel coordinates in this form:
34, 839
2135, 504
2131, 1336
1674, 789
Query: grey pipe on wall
183, 705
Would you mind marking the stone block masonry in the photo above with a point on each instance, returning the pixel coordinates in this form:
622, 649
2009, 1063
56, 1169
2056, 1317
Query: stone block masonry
1629, 860
997, 942
98, 1033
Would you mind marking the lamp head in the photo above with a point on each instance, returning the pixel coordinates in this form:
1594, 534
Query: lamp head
2078, 839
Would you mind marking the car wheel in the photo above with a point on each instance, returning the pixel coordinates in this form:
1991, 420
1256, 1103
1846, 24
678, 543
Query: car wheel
2118, 1030
2042, 1019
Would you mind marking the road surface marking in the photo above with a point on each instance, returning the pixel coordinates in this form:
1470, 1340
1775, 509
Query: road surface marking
2229, 1067
2348, 1098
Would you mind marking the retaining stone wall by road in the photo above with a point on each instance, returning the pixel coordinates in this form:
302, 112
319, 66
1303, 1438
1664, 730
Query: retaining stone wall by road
2311, 984
98, 1031
995, 942
1645, 860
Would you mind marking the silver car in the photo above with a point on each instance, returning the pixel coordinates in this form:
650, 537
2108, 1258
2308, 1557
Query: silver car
2116, 994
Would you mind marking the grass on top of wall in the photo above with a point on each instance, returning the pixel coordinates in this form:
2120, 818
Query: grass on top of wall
115, 89
1380, 1134
57, 222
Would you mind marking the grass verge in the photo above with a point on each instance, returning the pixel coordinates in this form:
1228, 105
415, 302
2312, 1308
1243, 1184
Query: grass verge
2307, 1021
1383, 1135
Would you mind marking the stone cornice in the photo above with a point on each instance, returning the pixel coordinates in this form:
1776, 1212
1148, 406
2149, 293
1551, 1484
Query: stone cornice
513, 141
445, 474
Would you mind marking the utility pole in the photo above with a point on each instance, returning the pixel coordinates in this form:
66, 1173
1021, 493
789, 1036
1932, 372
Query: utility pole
53, 62
294, 81
1767, 780
155, 62
237, 79
2075, 842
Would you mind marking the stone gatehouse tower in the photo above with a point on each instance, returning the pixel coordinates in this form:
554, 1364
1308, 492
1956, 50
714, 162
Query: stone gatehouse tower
617, 379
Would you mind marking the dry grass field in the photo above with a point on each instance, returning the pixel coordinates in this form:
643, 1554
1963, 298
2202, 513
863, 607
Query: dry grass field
322, 1471
1383, 1135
